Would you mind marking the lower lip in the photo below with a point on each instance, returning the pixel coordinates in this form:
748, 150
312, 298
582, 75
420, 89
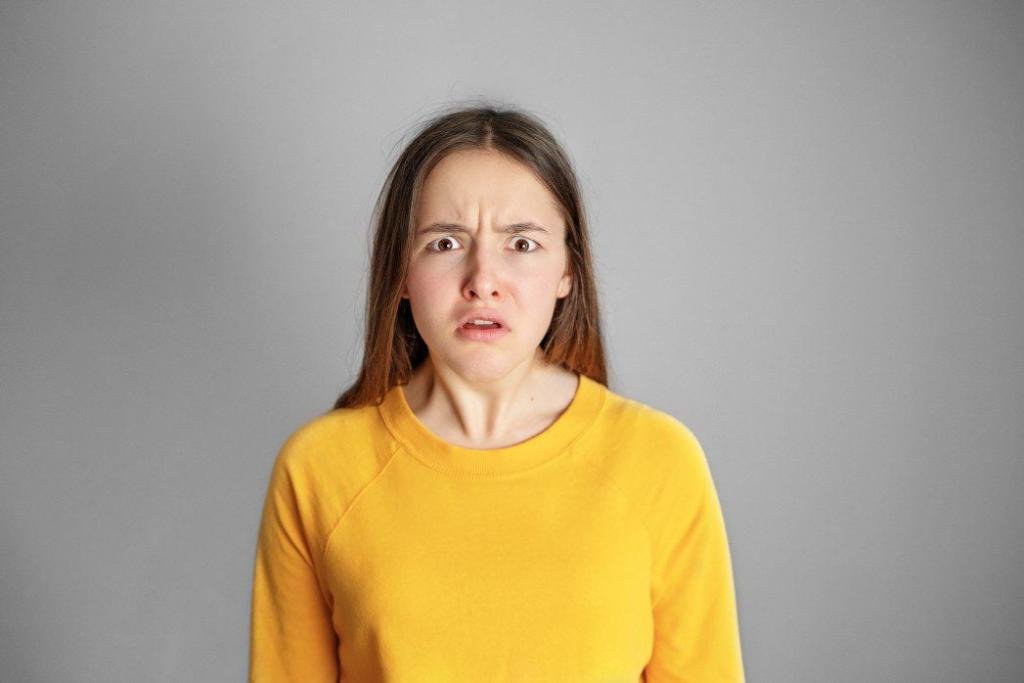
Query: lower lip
485, 334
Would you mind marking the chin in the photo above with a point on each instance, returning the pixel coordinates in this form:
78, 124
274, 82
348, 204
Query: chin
483, 365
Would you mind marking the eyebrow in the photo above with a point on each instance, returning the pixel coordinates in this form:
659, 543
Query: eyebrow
514, 228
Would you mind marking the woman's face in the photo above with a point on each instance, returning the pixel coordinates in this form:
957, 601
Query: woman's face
488, 235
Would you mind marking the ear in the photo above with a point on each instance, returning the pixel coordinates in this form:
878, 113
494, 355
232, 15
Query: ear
564, 285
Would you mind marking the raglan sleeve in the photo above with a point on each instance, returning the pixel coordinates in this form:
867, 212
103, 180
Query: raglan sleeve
291, 634
696, 625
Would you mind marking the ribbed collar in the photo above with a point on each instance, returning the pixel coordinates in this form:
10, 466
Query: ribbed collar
441, 455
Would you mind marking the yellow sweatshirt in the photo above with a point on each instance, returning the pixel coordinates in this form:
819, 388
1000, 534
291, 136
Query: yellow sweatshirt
593, 551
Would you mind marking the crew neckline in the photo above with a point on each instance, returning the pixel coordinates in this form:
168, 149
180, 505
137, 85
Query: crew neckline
435, 452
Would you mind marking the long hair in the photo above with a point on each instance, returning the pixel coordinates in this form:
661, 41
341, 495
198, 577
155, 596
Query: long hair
392, 347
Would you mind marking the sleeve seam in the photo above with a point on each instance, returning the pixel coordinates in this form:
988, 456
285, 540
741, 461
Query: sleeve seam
355, 499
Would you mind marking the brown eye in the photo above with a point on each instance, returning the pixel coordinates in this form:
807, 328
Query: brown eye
440, 241
527, 241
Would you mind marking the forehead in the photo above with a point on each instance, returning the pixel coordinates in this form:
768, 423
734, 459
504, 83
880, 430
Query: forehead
469, 183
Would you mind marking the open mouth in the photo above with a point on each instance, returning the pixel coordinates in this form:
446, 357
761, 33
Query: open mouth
482, 330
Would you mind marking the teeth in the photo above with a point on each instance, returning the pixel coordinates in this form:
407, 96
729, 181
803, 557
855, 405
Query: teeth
480, 321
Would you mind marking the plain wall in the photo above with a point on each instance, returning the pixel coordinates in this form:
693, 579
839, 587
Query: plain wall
807, 221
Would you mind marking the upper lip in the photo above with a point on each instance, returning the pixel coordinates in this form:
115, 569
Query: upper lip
483, 314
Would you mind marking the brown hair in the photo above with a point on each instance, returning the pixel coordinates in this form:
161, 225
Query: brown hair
392, 347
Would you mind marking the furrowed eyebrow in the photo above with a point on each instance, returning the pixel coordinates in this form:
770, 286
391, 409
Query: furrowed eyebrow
514, 228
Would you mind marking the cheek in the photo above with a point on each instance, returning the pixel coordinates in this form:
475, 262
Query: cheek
424, 279
538, 297
424, 282
544, 280
428, 291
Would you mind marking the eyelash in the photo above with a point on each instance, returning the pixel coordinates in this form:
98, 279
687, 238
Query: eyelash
448, 237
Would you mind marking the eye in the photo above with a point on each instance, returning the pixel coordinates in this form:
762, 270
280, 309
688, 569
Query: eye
529, 241
439, 241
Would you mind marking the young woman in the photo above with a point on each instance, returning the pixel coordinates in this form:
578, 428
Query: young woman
479, 505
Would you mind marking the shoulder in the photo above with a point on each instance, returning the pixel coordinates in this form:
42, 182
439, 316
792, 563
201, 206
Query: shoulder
652, 440
656, 460
334, 455
340, 429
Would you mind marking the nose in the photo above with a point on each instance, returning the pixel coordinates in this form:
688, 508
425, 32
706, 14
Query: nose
482, 279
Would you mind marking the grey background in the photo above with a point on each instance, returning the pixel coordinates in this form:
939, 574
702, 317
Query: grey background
807, 220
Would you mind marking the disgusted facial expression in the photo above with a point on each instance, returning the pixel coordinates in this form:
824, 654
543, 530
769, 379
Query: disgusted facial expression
489, 238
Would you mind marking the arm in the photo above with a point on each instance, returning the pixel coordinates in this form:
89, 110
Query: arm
696, 629
292, 637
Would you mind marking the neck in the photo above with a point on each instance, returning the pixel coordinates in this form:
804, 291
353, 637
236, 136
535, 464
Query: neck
478, 412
